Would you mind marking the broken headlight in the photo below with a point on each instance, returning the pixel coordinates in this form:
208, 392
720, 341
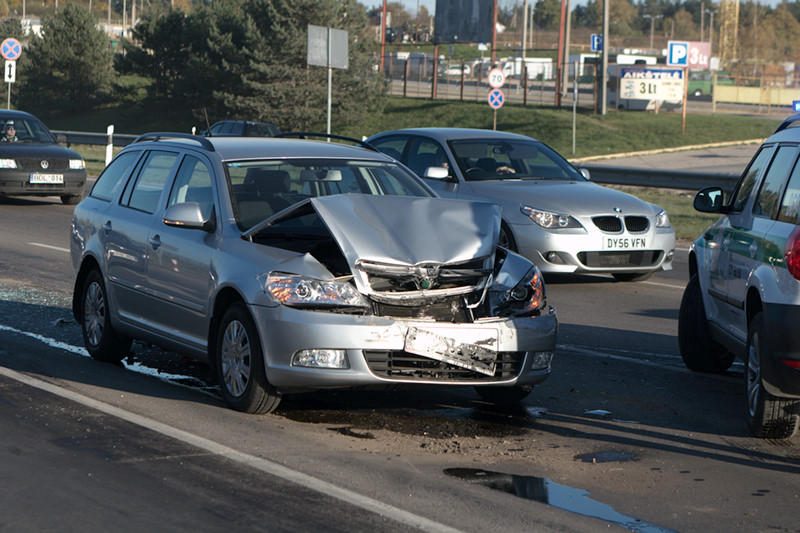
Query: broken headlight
301, 291
526, 297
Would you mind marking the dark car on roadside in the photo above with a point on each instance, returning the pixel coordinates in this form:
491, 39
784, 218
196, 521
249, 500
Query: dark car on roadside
242, 128
32, 163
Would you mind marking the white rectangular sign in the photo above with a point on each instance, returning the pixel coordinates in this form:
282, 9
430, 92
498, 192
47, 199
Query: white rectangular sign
11, 71
651, 84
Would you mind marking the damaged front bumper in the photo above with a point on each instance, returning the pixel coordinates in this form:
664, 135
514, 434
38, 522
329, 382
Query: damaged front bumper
387, 350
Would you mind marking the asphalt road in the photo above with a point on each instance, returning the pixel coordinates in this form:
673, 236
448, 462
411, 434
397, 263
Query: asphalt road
151, 445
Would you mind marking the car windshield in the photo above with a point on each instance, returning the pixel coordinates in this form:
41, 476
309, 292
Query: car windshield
261, 188
26, 130
500, 159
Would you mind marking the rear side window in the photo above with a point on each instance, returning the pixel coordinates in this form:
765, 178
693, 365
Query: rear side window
769, 197
152, 178
790, 207
112, 178
750, 179
392, 146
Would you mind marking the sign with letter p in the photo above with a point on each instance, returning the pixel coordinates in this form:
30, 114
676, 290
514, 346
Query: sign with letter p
678, 54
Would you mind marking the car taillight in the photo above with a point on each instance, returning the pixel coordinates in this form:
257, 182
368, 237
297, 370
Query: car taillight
793, 253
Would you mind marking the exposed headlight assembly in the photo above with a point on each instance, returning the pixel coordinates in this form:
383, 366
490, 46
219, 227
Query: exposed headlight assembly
548, 219
527, 297
662, 220
300, 291
77, 164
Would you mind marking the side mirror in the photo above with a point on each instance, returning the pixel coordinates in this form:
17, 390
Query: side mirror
585, 173
188, 215
437, 173
709, 200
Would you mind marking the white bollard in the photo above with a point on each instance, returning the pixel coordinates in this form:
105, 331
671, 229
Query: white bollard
110, 145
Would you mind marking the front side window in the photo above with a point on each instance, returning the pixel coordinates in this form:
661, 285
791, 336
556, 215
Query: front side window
193, 184
115, 174
152, 178
426, 154
260, 189
767, 203
750, 178
493, 159
24, 130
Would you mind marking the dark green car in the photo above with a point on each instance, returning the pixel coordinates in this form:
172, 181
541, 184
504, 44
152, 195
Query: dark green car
743, 296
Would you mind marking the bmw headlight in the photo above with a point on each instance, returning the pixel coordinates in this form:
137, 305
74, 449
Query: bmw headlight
301, 291
77, 164
548, 219
526, 297
8, 163
662, 220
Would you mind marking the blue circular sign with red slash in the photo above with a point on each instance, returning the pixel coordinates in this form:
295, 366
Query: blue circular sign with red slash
496, 98
11, 49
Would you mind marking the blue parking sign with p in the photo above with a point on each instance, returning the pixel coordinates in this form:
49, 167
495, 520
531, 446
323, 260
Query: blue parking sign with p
596, 42
678, 54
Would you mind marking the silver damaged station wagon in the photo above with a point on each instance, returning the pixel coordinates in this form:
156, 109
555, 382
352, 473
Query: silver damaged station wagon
299, 265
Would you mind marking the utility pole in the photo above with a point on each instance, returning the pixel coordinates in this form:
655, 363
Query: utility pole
560, 61
565, 83
524, 29
604, 72
652, 26
383, 34
710, 32
702, 19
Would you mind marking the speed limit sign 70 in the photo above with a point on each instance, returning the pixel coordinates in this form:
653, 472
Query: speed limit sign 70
496, 78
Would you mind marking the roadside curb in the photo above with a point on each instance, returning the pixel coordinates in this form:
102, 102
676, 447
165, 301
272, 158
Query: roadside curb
657, 151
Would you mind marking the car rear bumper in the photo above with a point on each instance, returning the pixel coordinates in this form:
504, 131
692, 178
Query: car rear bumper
376, 355
17, 182
583, 252
784, 345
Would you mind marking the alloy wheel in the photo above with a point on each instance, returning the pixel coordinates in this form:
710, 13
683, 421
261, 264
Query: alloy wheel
94, 313
236, 363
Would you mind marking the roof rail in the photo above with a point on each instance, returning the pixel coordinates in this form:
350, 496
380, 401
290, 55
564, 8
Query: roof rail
162, 135
790, 122
306, 134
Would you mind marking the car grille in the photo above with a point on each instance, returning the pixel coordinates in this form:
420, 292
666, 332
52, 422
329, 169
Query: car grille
403, 366
639, 258
448, 310
608, 224
637, 224
35, 163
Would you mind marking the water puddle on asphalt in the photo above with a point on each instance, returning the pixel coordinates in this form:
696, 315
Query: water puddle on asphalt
554, 494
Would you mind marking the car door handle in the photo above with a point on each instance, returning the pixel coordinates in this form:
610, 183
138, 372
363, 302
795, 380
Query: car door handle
155, 241
107, 227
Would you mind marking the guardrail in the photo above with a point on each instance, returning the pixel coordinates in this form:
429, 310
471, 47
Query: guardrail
639, 177
667, 179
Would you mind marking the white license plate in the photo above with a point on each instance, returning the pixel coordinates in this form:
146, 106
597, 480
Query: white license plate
624, 243
46, 178
474, 349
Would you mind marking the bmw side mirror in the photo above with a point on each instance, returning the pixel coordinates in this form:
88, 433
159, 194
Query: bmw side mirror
437, 173
188, 215
709, 200
585, 173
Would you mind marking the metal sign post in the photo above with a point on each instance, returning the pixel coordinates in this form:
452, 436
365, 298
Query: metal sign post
685, 98
10, 75
327, 47
574, 107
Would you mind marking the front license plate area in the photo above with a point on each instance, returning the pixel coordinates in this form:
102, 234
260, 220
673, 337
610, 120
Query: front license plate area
475, 350
37, 177
624, 243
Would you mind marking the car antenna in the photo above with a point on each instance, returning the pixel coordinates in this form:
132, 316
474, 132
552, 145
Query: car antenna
208, 126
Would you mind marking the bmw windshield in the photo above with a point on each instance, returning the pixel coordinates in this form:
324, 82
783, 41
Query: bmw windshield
500, 159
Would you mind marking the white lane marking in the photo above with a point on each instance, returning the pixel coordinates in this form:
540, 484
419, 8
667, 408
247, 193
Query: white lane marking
268, 467
49, 247
667, 285
644, 354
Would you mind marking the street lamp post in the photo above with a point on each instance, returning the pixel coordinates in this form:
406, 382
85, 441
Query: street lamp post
652, 25
710, 32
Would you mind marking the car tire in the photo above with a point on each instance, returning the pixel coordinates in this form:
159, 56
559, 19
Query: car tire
504, 396
506, 238
70, 199
768, 416
698, 350
239, 364
628, 276
102, 341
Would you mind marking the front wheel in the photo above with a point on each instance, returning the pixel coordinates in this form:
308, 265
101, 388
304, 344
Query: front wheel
239, 364
102, 342
504, 396
506, 239
767, 415
627, 276
698, 351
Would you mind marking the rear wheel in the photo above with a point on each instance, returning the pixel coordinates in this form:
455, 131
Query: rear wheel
239, 363
699, 352
102, 342
70, 199
627, 276
504, 396
767, 415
